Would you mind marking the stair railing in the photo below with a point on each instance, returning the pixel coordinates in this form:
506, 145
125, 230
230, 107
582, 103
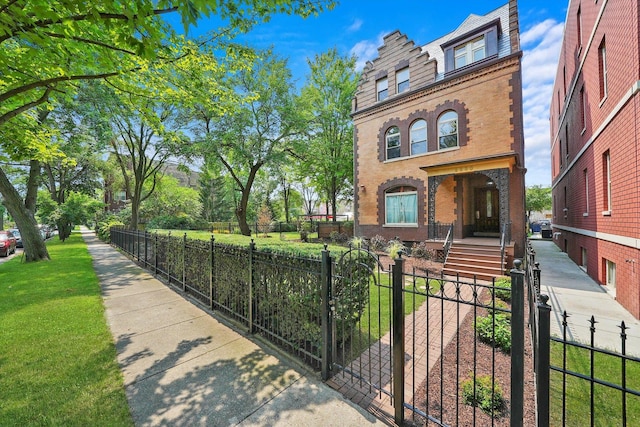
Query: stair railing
448, 241
504, 238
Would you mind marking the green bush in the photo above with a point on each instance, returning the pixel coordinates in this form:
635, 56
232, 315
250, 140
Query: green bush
499, 304
395, 248
103, 228
502, 289
498, 334
483, 395
177, 222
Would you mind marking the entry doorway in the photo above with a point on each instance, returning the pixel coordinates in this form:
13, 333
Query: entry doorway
486, 212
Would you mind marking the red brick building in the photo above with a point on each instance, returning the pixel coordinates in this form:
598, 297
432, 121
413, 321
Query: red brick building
438, 134
594, 145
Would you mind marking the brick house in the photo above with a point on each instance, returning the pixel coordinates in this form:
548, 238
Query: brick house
439, 136
594, 125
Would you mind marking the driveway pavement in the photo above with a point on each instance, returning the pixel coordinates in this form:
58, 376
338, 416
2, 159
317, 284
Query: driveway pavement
570, 289
183, 367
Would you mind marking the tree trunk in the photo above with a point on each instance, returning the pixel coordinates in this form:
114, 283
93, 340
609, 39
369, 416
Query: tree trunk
241, 210
34, 247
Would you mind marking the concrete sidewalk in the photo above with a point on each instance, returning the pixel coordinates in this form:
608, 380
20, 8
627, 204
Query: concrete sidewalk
182, 367
571, 289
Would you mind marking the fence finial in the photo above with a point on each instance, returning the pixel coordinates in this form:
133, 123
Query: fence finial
517, 263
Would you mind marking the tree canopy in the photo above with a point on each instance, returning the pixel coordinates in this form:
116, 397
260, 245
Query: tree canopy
48, 46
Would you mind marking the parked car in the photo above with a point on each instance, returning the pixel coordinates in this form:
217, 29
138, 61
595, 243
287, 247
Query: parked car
7, 243
18, 236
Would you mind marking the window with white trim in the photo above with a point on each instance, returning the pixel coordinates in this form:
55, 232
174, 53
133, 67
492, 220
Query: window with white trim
469, 52
448, 130
382, 88
611, 274
418, 135
401, 206
120, 196
586, 192
402, 80
602, 64
393, 142
606, 175
583, 108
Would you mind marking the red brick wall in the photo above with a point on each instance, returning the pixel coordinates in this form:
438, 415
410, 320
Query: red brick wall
611, 125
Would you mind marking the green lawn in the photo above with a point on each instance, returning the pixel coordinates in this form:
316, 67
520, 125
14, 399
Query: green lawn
57, 359
376, 320
608, 401
285, 242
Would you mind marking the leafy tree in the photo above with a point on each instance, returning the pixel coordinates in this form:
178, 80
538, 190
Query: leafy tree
47, 46
170, 198
258, 132
78, 208
538, 199
80, 168
328, 156
142, 135
215, 196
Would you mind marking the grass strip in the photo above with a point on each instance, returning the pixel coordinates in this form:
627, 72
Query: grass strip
57, 359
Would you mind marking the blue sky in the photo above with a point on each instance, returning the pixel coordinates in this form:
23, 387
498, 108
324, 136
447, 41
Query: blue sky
358, 26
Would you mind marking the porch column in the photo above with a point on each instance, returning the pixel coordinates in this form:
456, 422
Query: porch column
501, 179
434, 182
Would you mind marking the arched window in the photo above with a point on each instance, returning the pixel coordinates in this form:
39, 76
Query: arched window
448, 130
393, 142
401, 206
418, 136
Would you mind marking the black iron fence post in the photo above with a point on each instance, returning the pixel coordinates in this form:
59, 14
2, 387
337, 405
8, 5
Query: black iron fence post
326, 297
517, 344
252, 248
398, 339
543, 361
184, 262
146, 259
155, 254
211, 270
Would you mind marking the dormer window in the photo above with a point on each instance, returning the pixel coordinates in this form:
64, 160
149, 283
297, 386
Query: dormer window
382, 88
402, 80
472, 47
470, 52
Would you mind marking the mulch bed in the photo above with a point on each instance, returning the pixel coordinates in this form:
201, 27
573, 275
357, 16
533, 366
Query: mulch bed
445, 401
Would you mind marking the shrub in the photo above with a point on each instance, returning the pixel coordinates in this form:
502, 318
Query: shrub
420, 250
339, 238
502, 289
304, 235
483, 395
502, 305
395, 248
353, 276
498, 334
378, 243
103, 229
178, 222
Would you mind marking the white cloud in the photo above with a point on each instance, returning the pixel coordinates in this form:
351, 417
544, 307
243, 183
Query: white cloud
355, 26
541, 44
366, 50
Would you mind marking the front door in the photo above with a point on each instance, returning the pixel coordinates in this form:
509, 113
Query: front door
487, 210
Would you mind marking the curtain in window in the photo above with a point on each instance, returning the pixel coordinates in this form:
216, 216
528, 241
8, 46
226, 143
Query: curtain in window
402, 208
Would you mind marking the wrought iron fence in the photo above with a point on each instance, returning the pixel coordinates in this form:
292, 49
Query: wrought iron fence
272, 294
438, 230
578, 383
404, 339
